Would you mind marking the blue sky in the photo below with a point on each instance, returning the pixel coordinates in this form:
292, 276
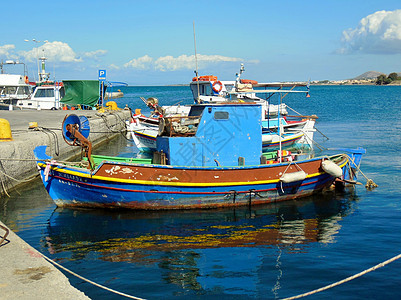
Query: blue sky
152, 42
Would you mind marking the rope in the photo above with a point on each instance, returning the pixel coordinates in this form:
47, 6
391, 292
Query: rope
322, 133
346, 279
369, 182
18, 180
294, 110
2, 182
4, 187
48, 131
114, 131
321, 148
111, 130
89, 281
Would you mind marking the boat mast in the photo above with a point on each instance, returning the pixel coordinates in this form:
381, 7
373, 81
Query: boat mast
279, 128
43, 76
196, 65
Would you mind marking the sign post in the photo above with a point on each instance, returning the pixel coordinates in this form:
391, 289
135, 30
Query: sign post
102, 79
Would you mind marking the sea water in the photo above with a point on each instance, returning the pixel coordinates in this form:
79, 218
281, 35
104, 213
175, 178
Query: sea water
263, 252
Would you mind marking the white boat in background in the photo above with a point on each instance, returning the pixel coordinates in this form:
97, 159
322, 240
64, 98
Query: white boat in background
46, 96
113, 95
13, 87
208, 89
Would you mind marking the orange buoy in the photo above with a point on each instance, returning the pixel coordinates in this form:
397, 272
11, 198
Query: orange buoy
248, 81
205, 78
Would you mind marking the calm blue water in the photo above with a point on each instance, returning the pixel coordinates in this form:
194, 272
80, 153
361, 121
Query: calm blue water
267, 252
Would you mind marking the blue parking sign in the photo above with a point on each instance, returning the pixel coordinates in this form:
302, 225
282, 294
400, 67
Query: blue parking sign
102, 75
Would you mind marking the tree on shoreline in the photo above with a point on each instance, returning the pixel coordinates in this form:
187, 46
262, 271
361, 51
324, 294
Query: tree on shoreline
383, 79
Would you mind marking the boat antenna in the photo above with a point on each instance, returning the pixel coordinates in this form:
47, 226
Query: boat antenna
242, 69
196, 63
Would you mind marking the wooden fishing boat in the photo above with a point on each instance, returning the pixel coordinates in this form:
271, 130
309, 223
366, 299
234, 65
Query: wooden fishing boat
144, 137
212, 159
297, 130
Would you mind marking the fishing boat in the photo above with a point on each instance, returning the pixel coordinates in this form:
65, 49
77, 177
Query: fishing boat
113, 95
45, 96
211, 158
295, 131
144, 135
46, 93
292, 131
209, 89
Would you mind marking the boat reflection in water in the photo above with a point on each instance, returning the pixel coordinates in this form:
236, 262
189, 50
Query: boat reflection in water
185, 245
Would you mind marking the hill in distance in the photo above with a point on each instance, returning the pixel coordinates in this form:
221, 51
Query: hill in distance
368, 75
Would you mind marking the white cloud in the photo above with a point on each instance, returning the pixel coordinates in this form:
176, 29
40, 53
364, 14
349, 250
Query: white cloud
114, 67
53, 51
378, 33
6, 51
170, 63
141, 63
95, 54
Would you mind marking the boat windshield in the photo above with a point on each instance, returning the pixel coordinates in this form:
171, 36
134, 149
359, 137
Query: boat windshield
204, 89
45, 93
9, 90
23, 90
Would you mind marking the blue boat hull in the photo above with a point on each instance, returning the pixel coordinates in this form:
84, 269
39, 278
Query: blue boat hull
67, 188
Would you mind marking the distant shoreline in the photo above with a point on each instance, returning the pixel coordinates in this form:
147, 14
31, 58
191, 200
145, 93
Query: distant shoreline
394, 83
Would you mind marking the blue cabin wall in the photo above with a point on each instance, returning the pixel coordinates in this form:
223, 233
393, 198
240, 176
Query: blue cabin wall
225, 133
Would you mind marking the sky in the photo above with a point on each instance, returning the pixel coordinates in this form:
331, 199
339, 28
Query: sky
152, 42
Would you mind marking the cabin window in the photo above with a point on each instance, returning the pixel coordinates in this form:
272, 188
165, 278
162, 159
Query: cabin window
208, 90
23, 90
10, 90
44, 93
27, 90
221, 115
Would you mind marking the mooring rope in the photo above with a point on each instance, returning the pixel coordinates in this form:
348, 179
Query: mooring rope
293, 110
321, 148
346, 279
18, 180
370, 185
87, 280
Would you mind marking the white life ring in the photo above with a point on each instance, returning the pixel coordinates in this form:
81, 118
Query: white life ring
217, 86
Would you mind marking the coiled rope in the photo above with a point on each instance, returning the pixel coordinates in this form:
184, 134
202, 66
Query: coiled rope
346, 279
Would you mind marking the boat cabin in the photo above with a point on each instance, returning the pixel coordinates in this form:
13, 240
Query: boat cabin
13, 87
45, 96
228, 134
210, 90
218, 91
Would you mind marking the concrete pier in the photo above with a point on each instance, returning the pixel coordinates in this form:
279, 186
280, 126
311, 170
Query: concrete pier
25, 274
16, 157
